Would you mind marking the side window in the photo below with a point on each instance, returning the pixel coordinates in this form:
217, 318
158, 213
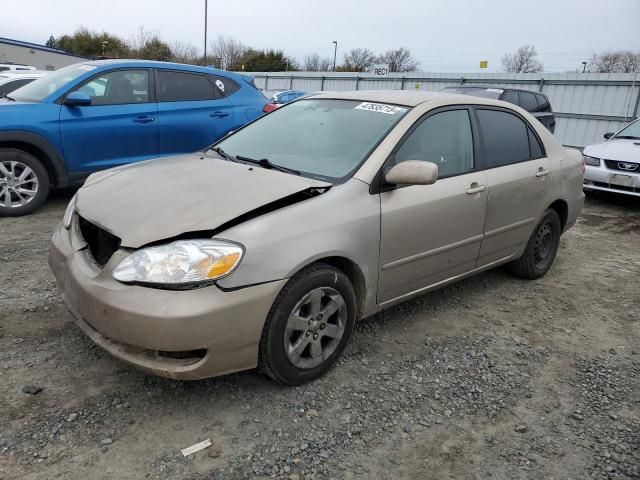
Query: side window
543, 103
505, 137
444, 139
223, 85
528, 102
183, 86
534, 145
510, 96
118, 88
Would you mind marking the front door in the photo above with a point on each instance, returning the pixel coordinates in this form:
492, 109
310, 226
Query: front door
518, 180
430, 233
120, 126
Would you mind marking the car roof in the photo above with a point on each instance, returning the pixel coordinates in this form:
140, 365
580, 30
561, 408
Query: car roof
497, 87
407, 98
126, 62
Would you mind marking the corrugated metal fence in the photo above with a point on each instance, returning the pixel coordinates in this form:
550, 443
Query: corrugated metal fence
587, 104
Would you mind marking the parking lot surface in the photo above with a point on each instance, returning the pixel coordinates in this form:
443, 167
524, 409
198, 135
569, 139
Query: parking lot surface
494, 377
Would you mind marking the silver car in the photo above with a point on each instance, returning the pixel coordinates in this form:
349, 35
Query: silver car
265, 249
614, 165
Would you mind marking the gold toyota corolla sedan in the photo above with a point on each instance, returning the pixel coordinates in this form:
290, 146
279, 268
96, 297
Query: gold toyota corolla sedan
266, 248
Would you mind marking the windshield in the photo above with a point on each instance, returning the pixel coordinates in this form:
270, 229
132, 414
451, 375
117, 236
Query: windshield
44, 86
632, 131
326, 139
475, 91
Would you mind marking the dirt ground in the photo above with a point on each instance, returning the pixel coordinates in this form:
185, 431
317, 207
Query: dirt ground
494, 377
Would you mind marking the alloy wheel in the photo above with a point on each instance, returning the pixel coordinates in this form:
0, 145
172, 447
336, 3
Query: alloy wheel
18, 184
315, 327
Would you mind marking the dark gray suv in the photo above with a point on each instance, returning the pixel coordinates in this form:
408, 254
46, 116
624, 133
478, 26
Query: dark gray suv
535, 103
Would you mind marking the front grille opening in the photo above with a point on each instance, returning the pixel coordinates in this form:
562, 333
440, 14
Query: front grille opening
615, 165
102, 244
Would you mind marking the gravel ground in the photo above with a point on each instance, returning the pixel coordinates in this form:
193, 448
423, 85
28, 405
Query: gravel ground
494, 377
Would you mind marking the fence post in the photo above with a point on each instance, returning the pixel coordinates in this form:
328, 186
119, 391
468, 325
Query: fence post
266, 81
461, 80
291, 82
540, 84
635, 109
322, 83
402, 83
357, 82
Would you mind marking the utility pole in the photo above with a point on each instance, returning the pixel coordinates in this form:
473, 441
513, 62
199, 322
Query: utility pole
205, 32
335, 53
584, 66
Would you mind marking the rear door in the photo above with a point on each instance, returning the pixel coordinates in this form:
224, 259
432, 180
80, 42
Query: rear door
120, 126
517, 171
430, 233
193, 113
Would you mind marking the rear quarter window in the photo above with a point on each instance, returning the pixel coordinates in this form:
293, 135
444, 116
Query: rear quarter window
528, 101
224, 86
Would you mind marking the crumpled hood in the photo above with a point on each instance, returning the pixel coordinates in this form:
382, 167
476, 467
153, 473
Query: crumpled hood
623, 150
158, 199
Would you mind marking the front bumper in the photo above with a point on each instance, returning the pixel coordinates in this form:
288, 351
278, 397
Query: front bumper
188, 334
608, 180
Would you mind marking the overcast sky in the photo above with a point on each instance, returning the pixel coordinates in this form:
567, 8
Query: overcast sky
443, 35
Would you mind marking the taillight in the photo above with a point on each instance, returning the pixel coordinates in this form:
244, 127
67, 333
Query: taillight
269, 107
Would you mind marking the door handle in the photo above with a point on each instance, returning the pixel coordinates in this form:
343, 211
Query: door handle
219, 114
475, 188
143, 119
542, 172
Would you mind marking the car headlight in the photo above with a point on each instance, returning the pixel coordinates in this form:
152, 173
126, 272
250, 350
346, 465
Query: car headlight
179, 263
68, 213
593, 161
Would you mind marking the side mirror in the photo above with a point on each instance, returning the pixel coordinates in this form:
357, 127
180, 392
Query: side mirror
413, 172
77, 99
608, 135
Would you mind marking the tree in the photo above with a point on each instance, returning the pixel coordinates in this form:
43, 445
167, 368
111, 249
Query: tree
358, 60
621, 61
522, 61
399, 60
86, 42
265, 61
184, 53
227, 51
156, 49
51, 42
313, 63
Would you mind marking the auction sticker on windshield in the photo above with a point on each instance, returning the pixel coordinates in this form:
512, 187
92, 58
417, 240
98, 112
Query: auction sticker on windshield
380, 108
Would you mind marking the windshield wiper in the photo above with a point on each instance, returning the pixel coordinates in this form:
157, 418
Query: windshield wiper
266, 163
628, 137
222, 153
4, 95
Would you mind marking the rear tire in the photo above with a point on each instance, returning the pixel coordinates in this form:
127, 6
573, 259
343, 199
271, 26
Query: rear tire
24, 183
541, 248
308, 325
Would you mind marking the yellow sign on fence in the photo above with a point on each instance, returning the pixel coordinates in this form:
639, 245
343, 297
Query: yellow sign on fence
484, 63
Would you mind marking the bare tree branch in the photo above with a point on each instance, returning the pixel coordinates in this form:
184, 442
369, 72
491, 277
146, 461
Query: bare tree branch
522, 61
358, 60
313, 63
620, 61
227, 51
399, 60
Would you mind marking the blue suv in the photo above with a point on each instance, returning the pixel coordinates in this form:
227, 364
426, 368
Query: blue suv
90, 116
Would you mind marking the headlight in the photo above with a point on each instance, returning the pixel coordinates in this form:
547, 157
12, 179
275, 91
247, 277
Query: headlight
594, 162
181, 262
68, 213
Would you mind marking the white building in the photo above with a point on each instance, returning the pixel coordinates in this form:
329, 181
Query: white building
39, 56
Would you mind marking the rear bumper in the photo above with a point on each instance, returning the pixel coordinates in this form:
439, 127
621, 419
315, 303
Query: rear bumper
604, 179
185, 335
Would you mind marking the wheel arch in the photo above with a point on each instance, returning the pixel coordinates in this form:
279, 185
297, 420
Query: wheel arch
355, 275
562, 209
41, 149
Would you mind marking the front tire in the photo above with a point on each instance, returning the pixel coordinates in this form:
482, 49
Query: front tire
308, 325
24, 183
541, 248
